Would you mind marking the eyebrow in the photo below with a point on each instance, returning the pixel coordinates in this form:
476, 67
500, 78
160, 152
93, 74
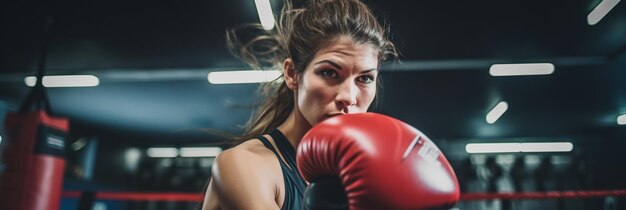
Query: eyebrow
336, 65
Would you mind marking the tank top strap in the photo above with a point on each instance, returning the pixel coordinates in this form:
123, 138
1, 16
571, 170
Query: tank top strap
289, 153
291, 173
285, 148
268, 144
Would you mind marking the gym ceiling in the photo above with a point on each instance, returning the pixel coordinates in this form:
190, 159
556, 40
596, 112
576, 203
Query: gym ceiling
152, 60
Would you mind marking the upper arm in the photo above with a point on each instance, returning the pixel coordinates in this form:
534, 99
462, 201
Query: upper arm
210, 199
242, 181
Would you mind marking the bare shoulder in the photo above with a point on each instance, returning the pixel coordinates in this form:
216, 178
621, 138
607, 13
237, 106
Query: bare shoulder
251, 152
244, 177
250, 157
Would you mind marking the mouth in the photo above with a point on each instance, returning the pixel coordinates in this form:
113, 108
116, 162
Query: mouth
334, 114
331, 115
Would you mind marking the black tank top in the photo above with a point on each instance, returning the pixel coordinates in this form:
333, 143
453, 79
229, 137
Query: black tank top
294, 184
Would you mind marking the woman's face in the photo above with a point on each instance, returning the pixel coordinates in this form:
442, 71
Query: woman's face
340, 79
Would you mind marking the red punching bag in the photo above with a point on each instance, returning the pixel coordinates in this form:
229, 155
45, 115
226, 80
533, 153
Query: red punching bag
34, 153
34, 161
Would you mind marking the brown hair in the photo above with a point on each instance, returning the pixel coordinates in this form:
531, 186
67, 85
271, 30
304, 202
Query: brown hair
299, 34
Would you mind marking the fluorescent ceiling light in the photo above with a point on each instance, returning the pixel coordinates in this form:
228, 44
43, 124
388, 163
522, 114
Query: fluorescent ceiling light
131, 158
158, 152
266, 15
546, 147
200, 151
249, 76
621, 120
521, 69
492, 147
65, 81
600, 11
519, 147
497, 112
0, 139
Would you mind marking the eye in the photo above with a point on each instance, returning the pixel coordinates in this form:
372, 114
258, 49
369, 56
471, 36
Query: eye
328, 73
366, 79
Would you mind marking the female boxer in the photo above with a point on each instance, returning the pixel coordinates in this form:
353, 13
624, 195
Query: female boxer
330, 52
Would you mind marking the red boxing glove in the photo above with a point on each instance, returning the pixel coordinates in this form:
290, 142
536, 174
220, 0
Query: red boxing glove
381, 163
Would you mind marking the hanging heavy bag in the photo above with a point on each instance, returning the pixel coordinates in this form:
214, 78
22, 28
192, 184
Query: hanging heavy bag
34, 152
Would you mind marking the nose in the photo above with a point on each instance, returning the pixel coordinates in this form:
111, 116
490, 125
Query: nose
346, 97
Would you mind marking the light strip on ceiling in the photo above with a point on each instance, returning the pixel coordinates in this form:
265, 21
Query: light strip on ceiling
603, 8
496, 112
521, 69
199, 151
621, 120
519, 147
266, 15
162, 152
239, 77
65, 81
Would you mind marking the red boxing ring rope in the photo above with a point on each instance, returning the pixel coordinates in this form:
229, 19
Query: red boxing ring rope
140, 196
542, 195
197, 197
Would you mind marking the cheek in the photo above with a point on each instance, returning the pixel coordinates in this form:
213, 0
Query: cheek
313, 100
367, 97
314, 94
315, 97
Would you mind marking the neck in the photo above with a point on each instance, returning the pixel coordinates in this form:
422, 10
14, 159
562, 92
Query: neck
294, 128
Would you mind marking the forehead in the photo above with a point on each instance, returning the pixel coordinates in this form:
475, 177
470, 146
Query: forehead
349, 53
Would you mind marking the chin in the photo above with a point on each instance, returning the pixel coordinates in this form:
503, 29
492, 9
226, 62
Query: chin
312, 122
319, 120
324, 118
